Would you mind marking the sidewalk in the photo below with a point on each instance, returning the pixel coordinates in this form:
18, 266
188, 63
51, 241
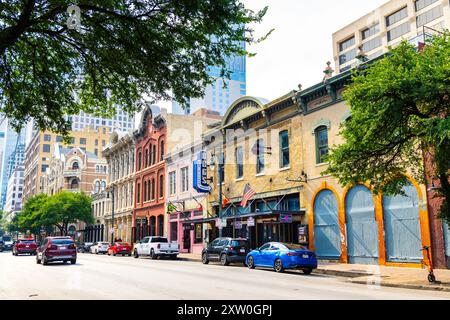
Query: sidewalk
409, 278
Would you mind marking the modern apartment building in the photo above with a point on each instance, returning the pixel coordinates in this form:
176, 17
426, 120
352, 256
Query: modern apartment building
14, 194
40, 149
387, 26
220, 94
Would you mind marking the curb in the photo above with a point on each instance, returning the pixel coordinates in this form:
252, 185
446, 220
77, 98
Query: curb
407, 286
349, 274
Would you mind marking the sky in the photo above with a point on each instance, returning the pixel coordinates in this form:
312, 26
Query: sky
299, 48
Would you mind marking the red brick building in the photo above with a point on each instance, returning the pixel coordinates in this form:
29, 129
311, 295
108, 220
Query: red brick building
149, 195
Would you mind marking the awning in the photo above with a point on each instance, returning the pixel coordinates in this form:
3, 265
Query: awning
301, 212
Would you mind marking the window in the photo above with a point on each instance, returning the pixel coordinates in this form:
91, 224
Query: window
222, 172
97, 186
44, 167
239, 158
82, 140
154, 154
172, 182
162, 151
46, 148
74, 184
420, 4
103, 143
138, 193
59, 138
344, 45
184, 179
47, 137
146, 158
348, 56
284, 149
396, 32
75, 165
153, 189
371, 44
260, 155
321, 134
139, 160
145, 191
198, 233
161, 186
371, 31
396, 16
429, 16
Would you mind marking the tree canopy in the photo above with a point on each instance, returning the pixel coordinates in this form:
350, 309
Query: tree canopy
123, 50
400, 108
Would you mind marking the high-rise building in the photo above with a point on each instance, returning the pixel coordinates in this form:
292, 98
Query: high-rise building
13, 142
14, 194
387, 26
121, 121
220, 94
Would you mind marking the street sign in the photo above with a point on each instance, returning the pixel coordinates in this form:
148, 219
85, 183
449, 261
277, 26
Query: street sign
285, 218
251, 222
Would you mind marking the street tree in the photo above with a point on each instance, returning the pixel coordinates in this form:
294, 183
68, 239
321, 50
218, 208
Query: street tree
67, 207
400, 108
33, 217
112, 52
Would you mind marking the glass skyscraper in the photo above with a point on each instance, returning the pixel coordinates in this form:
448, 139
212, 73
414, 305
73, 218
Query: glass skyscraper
221, 93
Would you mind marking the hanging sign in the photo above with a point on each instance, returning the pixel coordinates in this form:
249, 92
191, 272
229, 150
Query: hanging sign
285, 218
200, 172
251, 222
238, 225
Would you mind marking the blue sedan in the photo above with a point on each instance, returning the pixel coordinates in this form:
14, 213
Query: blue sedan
281, 256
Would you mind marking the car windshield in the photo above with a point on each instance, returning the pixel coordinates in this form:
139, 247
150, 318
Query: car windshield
6, 238
26, 241
294, 246
164, 240
239, 243
62, 241
104, 243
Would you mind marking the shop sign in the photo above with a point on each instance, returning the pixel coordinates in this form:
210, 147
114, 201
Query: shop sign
200, 172
224, 222
218, 223
238, 225
285, 218
251, 222
188, 227
302, 234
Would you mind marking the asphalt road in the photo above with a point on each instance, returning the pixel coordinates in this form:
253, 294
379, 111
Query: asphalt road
104, 277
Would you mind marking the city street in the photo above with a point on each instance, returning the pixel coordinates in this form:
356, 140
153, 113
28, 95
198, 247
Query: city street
105, 277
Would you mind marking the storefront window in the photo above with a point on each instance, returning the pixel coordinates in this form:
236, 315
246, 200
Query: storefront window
198, 233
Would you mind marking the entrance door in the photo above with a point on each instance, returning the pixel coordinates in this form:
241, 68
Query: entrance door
362, 228
186, 239
326, 226
402, 227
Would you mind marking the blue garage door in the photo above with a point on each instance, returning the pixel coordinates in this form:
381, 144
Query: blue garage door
447, 241
326, 226
402, 226
362, 228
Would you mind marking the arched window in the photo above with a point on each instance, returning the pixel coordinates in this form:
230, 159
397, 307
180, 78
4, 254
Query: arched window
161, 186
97, 186
160, 225
153, 189
145, 191
154, 154
148, 191
74, 184
162, 151
75, 165
139, 160
146, 158
260, 151
321, 134
103, 185
284, 149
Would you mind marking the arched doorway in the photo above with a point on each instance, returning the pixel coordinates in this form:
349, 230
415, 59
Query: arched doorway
152, 226
362, 228
74, 184
402, 226
326, 226
160, 225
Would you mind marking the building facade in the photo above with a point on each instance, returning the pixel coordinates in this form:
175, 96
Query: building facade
97, 231
222, 92
120, 154
14, 195
387, 26
40, 149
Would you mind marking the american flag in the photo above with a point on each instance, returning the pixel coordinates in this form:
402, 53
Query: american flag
248, 194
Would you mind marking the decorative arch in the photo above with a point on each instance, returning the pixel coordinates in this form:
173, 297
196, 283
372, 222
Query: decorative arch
320, 123
241, 108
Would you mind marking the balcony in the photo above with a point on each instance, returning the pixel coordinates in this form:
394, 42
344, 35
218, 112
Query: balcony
72, 173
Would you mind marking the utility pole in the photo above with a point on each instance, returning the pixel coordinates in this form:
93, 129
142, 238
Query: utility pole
112, 213
221, 169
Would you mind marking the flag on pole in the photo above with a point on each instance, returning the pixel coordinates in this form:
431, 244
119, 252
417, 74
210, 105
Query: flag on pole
225, 201
171, 207
248, 194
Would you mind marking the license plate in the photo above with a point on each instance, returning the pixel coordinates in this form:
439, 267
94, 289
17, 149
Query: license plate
27, 246
242, 250
62, 248
305, 256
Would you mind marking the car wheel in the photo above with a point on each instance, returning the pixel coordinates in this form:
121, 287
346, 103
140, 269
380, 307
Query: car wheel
307, 270
44, 261
37, 260
129, 254
73, 261
153, 255
278, 265
205, 258
251, 263
109, 253
135, 254
114, 254
224, 259
65, 261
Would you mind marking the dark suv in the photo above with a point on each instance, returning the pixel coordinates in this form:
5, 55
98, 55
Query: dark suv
57, 249
226, 250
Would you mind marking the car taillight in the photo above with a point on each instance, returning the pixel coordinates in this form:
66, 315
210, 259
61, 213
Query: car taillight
231, 248
292, 254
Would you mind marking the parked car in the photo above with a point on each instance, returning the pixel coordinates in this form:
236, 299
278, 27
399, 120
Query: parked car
2, 244
281, 256
24, 246
8, 243
85, 247
57, 249
122, 248
226, 250
100, 247
155, 247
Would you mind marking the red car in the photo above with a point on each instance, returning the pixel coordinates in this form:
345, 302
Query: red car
24, 246
57, 249
122, 248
